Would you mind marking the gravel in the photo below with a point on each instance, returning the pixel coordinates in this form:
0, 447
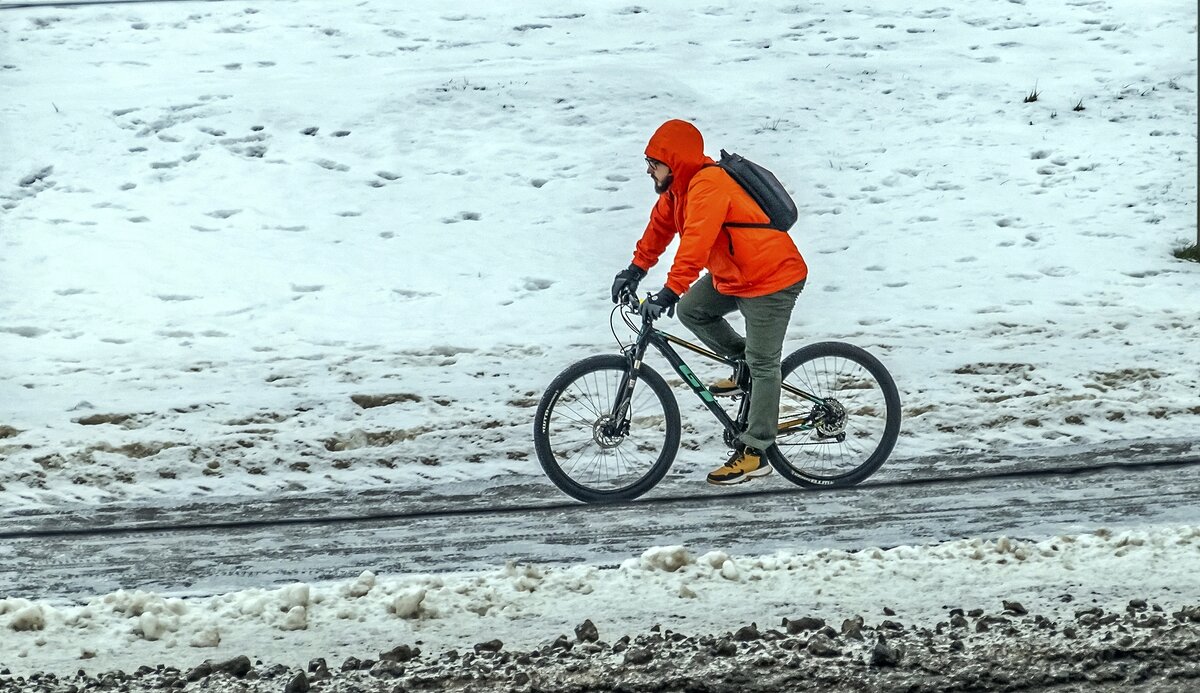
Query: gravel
1145, 648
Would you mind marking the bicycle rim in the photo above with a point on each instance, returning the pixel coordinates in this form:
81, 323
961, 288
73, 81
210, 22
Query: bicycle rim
576, 441
848, 445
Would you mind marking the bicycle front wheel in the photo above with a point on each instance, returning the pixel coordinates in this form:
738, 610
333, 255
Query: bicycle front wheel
595, 450
846, 423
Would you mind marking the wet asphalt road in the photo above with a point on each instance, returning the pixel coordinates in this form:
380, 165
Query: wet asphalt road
220, 545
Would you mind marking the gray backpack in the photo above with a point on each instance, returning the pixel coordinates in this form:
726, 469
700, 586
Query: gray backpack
764, 188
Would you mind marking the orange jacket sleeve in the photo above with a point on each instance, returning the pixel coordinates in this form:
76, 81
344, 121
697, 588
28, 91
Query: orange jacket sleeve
657, 236
707, 210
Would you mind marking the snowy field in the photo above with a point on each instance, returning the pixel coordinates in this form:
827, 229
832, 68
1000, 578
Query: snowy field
231, 229
255, 248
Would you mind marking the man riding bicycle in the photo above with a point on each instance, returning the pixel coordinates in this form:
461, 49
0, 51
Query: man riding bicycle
757, 271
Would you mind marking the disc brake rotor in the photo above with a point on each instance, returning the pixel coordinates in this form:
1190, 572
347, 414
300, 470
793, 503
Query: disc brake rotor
830, 418
603, 434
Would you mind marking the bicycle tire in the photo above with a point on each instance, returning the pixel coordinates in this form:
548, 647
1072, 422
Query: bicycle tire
556, 420
860, 395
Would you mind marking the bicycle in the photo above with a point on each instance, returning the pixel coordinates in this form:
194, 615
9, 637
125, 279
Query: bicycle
608, 428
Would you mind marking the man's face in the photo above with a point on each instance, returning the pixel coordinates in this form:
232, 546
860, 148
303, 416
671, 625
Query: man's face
661, 173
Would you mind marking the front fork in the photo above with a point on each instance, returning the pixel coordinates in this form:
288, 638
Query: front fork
618, 419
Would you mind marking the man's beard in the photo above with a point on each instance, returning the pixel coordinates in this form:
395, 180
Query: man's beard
662, 187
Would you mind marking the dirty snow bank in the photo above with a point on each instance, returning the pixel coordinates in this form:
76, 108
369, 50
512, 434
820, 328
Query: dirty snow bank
525, 606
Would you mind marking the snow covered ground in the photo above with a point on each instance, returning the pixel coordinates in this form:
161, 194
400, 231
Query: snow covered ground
263, 248
224, 223
527, 606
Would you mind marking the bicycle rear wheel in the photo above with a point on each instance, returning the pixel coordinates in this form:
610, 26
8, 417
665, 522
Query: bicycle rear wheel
587, 453
849, 433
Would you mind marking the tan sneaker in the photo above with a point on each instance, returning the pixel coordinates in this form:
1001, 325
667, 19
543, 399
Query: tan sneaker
733, 385
725, 387
742, 467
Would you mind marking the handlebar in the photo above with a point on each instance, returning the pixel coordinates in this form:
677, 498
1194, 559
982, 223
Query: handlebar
627, 299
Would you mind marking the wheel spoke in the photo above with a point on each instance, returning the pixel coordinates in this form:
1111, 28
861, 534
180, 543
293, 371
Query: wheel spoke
838, 374
582, 441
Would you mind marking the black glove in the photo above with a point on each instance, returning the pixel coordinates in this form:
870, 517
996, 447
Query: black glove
662, 302
627, 280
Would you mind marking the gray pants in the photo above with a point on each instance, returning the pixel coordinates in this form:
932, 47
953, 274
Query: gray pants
703, 309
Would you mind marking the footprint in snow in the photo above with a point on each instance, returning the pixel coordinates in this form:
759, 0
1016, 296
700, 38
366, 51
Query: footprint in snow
307, 288
24, 331
222, 213
409, 293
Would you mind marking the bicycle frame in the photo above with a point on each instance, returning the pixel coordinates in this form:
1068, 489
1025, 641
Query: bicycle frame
662, 341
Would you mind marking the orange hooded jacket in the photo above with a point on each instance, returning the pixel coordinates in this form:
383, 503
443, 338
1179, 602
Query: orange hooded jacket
744, 262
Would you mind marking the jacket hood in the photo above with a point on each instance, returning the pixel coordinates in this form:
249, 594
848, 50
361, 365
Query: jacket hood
678, 144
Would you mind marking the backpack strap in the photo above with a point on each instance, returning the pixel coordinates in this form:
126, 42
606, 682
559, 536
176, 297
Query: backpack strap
747, 225
738, 224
